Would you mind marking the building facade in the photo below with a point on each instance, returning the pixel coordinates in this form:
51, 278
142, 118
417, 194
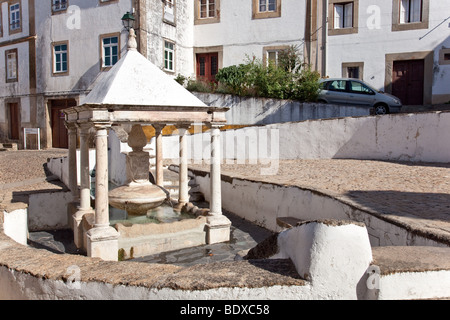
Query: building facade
399, 46
52, 51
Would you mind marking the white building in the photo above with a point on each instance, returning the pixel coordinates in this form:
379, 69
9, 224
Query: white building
400, 46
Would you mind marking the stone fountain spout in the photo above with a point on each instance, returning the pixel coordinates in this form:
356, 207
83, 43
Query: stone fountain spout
139, 195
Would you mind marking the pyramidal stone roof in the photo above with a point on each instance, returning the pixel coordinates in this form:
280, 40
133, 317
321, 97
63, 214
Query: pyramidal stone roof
135, 81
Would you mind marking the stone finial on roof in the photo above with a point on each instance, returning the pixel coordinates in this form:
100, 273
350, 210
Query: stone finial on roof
132, 43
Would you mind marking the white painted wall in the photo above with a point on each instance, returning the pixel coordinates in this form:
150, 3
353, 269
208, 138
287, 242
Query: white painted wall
251, 110
182, 34
15, 225
399, 137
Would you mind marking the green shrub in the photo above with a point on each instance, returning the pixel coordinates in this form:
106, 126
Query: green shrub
290, 79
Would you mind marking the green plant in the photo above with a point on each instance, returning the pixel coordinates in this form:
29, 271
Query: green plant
180, 79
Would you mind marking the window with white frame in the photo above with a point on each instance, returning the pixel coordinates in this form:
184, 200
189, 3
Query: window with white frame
169, 11
267, 5
14, 17
343, 15
60, 58
11, 65
110, 51
207, 9
59, 5
410, 11
169, 55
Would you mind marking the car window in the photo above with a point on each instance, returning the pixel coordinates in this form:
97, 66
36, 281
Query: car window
358, 87
337, 85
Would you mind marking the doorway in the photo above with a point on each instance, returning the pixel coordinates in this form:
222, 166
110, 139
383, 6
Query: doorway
408, 81
207, 66
60, 137
14, 121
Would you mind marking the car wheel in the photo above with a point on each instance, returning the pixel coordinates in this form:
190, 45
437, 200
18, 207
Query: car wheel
381, 109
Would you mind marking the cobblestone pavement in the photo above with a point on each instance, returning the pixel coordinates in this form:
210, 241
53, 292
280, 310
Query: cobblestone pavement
22, 172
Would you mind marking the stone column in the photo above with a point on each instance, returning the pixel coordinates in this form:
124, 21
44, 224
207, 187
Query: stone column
159, 155
102, 240
73, 171
183, 196
218, 226
85, 186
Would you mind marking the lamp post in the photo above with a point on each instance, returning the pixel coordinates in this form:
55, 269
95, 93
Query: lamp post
128, 21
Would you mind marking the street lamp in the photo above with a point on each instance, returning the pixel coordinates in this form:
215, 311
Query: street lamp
128, 21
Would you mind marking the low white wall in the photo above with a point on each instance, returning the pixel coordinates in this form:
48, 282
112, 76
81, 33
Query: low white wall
263, 203
60, 166
49, 210
251, 110
399, 137
15, 225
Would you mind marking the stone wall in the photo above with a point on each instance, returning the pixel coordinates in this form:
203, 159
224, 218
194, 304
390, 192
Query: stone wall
251, 110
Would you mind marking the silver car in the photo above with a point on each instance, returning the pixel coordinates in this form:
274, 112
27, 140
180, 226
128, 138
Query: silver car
356, 92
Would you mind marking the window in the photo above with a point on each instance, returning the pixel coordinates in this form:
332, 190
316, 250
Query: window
410, 14
343, 16
353, 70
11, 65
358, 87
60, 58
59, 5
110, 51
14, 17
267, 5
337, 85
266, 9
444, 56
271, 54
410, 11
207, 11
169, 54
169, 11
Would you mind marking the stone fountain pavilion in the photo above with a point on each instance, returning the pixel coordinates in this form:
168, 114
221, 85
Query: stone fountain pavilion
136, 93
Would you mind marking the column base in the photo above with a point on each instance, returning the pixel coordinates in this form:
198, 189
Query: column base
103, 243
72, 208
77, 219
218, 229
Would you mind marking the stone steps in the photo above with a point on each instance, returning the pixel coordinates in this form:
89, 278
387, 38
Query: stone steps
171, 184
8, 146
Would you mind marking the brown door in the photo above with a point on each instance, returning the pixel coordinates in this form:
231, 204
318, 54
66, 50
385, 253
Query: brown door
207, 66
60, 137
14, 121
408, 81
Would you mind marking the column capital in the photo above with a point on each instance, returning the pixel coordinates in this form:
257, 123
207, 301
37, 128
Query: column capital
71, 126
158, 127
213, 125
101, 125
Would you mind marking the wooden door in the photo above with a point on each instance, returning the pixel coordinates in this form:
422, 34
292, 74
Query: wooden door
60, 137
207, 66
408, 81
14, 121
